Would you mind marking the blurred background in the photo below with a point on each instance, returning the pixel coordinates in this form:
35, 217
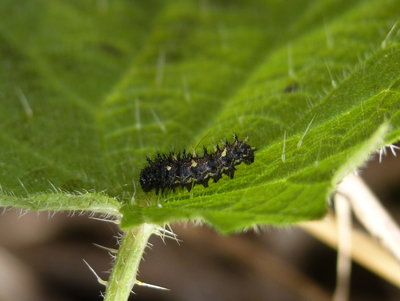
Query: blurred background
41, 258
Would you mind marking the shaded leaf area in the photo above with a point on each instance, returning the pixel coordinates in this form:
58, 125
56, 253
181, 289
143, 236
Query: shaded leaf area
59, 61
89, 89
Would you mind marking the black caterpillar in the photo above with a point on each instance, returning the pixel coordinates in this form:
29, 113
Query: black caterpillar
167, 172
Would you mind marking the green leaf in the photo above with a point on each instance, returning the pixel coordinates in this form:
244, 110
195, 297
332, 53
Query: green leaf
88, 89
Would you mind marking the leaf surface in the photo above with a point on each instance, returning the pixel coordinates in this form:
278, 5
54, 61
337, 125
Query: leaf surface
88, 89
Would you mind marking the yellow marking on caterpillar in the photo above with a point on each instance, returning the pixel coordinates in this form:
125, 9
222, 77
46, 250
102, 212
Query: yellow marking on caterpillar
223, 154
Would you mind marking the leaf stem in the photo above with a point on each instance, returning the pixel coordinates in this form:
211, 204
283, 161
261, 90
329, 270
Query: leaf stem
123, 276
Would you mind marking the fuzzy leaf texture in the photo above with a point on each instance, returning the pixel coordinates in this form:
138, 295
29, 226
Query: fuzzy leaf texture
88, 89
